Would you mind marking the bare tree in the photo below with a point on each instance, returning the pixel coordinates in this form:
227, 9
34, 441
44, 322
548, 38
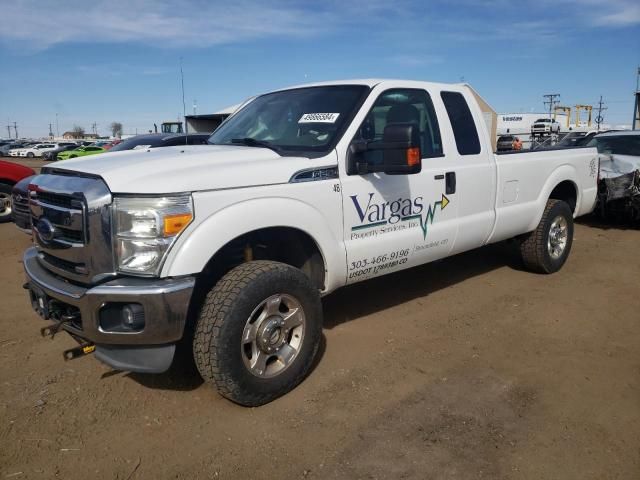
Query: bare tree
116, 129
78, 132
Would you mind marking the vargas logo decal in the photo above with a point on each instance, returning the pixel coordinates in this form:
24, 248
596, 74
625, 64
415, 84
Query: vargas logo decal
374, 214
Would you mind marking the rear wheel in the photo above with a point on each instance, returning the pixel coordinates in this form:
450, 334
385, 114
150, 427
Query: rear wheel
546, 249
258, 332
5, 202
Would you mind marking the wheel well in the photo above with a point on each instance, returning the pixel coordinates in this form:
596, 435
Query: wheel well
567, 192
283, 244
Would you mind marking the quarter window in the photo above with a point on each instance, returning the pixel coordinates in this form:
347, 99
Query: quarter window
464, 128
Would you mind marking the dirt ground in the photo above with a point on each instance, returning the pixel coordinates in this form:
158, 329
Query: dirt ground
468, 368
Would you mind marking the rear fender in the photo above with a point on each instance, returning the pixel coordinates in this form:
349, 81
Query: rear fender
561, 174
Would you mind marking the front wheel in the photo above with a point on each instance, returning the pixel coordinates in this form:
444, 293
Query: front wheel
5, 202
546, 249
30, 155
258, 332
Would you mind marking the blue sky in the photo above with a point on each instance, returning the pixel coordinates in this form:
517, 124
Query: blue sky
116, 60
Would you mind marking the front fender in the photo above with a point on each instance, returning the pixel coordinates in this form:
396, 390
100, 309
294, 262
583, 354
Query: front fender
204, 238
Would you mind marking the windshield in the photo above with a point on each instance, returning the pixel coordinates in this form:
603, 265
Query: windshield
292, 121
621, 145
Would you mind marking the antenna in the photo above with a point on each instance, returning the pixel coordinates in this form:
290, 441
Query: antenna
184, 106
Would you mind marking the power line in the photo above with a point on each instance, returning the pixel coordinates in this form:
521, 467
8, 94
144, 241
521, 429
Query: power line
551, 102
599, 117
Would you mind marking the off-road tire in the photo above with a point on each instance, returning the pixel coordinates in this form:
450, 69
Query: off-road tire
533, 247
224, 313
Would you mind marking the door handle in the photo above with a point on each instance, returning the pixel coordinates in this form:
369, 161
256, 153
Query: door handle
450, 183
439, 177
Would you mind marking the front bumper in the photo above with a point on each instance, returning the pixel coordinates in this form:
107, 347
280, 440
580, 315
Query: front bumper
165, 303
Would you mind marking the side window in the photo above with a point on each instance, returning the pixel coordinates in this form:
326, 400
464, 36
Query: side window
464, 129
404, 106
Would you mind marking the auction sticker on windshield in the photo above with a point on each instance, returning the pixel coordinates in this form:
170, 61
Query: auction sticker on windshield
319, 118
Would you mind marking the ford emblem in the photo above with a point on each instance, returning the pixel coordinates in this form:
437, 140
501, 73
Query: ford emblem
46, 230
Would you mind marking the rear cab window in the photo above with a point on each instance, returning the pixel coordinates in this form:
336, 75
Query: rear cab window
462, 123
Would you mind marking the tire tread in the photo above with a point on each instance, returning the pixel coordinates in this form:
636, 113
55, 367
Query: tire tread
207, 339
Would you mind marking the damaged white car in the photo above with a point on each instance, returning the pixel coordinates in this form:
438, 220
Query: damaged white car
619, 185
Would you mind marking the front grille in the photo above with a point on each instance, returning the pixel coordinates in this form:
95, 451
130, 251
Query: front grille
71, 220
56, 199
66, 265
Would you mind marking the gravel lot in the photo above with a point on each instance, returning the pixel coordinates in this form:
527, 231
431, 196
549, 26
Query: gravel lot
467, 368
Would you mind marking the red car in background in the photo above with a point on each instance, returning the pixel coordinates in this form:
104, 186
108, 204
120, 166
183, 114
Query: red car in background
10, 174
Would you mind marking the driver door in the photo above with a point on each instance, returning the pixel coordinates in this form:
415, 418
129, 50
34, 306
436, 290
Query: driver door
395, 221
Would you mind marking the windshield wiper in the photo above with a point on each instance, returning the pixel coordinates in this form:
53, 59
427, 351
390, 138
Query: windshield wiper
252, 142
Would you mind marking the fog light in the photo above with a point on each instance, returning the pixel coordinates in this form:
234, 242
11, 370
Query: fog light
122, 317
133, 316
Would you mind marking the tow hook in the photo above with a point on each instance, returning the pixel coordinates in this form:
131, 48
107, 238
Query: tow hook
85, 348
51, 330
79, 351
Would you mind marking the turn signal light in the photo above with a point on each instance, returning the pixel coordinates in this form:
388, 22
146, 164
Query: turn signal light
413, 157
174, 224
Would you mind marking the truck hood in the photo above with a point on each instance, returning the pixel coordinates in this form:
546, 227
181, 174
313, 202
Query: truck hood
188, 168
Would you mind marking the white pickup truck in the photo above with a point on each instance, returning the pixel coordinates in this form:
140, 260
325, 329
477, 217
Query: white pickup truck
231, 246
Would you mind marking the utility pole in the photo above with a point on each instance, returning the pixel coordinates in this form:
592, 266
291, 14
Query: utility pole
195, 107
57, 126
93, 128
15, 129
599, 117
551, 102
9, 128
50, 130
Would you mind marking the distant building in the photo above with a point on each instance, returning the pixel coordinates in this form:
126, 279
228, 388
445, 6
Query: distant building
208, 122
78, 136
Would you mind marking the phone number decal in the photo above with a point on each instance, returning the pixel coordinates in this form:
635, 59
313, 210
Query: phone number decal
378, 263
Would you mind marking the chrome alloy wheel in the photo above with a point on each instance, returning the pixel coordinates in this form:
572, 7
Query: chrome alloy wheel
273, 335
5, 204
557, 239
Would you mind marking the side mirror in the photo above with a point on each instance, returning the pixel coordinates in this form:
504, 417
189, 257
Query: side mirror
397, 154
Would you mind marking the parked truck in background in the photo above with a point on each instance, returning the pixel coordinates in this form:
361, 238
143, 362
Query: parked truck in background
230, 246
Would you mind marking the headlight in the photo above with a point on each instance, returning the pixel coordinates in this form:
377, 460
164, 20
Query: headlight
145, 229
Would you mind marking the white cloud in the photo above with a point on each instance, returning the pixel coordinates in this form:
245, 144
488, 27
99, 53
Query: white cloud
40, 24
